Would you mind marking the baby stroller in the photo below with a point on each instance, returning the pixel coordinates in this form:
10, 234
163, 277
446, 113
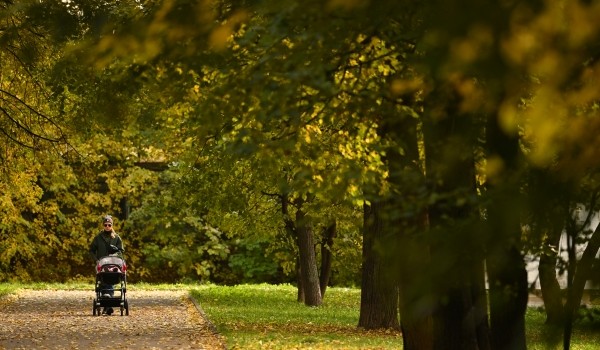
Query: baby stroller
111, 270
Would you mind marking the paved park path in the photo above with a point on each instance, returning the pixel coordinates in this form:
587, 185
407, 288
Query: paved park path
59, 319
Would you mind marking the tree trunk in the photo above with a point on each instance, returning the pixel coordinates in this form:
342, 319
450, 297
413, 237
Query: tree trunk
507, 275
460, 319
414, 298
292, 231
300, 297
550, 288
450, 139
480, 307
308, 260
583, 270
455, 329
327, 256
379, 292
549, 201
508, 298
125, 208
407, 223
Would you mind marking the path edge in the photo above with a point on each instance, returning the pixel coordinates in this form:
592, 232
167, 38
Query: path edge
212, 327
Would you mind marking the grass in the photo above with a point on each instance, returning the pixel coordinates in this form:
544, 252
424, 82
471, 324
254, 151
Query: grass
268, 317
586, 331
7, 288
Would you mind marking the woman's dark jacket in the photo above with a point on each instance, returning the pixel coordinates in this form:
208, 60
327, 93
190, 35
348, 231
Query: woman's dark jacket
100, 246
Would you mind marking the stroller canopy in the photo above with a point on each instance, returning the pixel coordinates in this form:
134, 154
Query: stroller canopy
111, 260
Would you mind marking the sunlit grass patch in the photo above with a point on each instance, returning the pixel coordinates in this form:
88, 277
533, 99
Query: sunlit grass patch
159, 286
269, 317
10, 288
6, 288
56, 286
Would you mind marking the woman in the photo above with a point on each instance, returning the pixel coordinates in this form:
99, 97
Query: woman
107, 242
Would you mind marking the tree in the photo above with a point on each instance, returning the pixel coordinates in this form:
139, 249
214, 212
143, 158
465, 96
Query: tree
301, 95
507, 276
379, 288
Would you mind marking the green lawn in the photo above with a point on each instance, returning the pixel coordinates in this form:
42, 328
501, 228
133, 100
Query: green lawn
6, 288
586, 334
268, 317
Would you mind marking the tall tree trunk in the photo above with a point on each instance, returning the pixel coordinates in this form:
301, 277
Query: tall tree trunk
550, 288
549, 201
460, 318
582, 272
407, 223
414, 298
379, 292
125, 208
450, 139
571, 267
480, 307
584, 267
308, 260
300, 296
327, 256
507, 275
291, 230
508, 298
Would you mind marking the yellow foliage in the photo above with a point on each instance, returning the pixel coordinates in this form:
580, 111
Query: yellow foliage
222, 36
509, 117
471, 47
582, 20
345, 4
404, 86
545, 122
493, 168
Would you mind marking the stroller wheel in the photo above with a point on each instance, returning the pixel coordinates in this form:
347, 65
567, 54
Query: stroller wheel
126, 308
94, 307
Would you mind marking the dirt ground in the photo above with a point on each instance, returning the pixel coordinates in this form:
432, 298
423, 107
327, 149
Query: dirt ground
59, 319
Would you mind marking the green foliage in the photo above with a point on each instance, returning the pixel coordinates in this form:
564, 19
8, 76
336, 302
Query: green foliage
251, 263
347, 258
170, 237
218, 118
